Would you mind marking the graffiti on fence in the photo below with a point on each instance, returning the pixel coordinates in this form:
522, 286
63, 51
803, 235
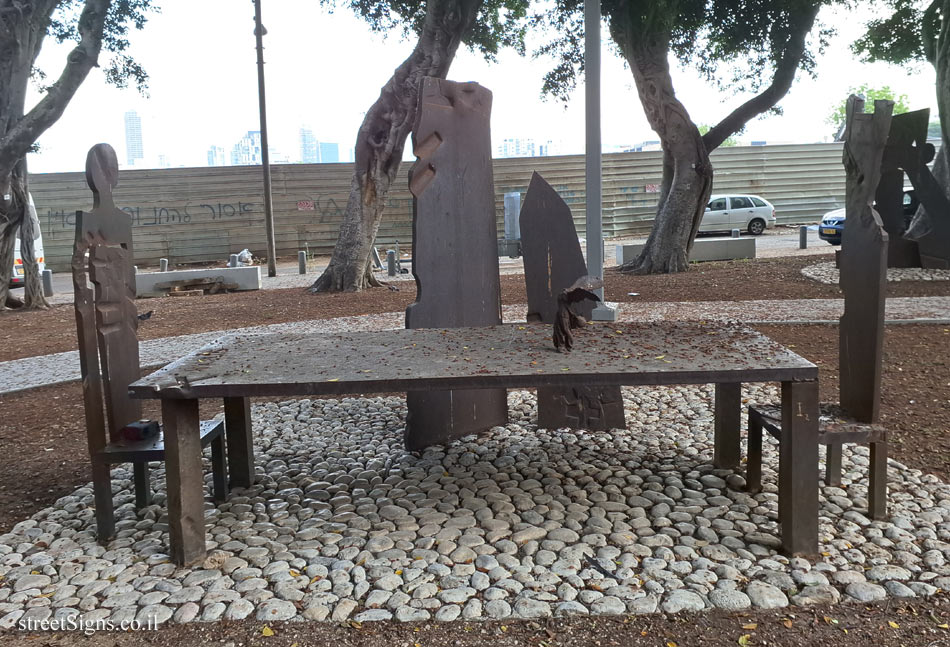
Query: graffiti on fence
154, 216
327, 209
639, 196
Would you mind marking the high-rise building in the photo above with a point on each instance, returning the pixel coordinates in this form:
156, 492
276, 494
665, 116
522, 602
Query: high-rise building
248, 150
217, 156
133, 137
309, 147
516, 147
329, 152
547, 148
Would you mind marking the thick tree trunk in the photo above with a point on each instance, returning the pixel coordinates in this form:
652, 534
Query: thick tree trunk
21, 36
33, 297
6, 258
381, 139
687, 173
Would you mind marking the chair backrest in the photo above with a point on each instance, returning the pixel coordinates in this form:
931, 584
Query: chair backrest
104, 288
863, 262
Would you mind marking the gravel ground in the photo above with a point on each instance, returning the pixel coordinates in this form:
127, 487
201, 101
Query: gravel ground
827, 273
518, 523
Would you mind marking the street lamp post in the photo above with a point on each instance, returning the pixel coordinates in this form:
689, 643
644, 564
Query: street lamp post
259, 32
593, 187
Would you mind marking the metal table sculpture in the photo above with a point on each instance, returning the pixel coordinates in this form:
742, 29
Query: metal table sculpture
106, 322
506, 356
861, 331
554, 273
454, 248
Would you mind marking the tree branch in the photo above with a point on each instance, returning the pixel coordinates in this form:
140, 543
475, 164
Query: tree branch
785, 69
17, 141
927, 36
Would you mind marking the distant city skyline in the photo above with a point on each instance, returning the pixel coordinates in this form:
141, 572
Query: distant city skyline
134, 148
183, 115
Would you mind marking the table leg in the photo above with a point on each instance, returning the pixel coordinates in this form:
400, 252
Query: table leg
728, 409
798, 468
877, 487
184, 481
240, 441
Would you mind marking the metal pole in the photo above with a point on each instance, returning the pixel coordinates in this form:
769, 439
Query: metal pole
595, 235
265, 156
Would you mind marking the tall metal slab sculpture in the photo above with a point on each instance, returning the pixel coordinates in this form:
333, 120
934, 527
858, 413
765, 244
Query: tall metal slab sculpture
102, 257
863, 262
454, 249
553, 261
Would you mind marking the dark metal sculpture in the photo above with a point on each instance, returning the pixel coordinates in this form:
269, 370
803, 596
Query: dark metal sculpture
506, 356
864, 251
566, 319
863, 262
930, 227
454, 248
104, 236
106, 322
553, 262
899, 154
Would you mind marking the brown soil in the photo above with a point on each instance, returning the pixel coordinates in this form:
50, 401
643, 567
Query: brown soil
26, 334
893, 624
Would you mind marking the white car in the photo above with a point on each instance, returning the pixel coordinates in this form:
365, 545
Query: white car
16, 279
745, 212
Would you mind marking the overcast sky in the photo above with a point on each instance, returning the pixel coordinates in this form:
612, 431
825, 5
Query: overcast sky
324, 70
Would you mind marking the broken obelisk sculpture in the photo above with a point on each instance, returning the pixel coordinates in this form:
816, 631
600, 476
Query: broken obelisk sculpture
553, 262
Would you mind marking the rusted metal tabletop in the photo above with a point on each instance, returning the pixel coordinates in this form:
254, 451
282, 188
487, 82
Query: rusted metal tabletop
238, 367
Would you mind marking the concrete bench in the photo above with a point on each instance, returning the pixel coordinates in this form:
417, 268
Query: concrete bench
704, 249
159, 284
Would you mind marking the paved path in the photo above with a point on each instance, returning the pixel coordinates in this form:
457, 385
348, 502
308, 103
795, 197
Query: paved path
782, 241
31, 372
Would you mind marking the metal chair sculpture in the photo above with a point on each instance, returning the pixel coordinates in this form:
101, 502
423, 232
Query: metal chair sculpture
106, 321
861, 343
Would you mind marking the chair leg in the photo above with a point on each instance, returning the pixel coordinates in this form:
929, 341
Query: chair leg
143, 489
877, 487
219, 469
753, 479
833, 464
102, 490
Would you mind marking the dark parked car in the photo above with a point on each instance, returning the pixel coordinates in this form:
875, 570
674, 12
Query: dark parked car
832, 223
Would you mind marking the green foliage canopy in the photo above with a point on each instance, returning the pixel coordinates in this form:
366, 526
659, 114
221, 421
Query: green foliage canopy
123, 15
499, 24
870, 94
730, 42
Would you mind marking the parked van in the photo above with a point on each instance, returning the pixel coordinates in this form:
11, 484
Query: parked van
17, 276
